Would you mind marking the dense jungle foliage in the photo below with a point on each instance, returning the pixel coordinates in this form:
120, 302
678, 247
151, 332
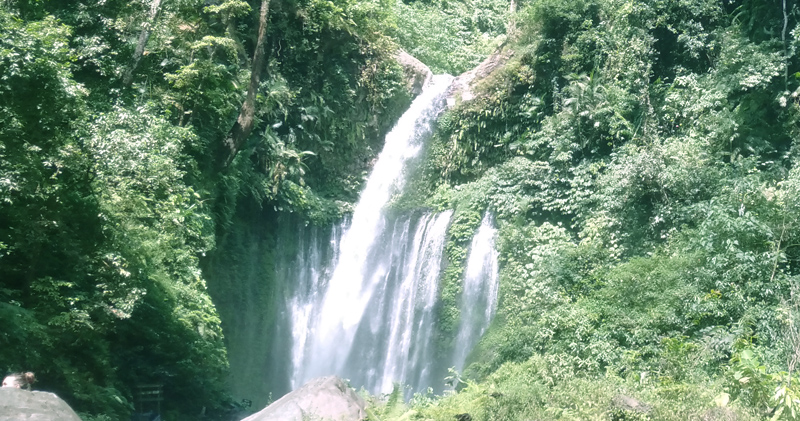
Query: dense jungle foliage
131, 135
640, 160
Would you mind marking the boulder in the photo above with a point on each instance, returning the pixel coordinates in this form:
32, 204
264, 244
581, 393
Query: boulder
416, 72
324, 398
19, 404
628, 408
463, 85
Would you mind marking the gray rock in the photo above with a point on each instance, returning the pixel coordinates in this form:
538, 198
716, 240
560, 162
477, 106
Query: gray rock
324, 398
415, 71
629, 409
463, 87
630, 404
18, 404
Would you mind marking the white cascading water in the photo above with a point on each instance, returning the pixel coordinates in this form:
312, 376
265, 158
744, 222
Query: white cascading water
348, 293
363, 298
479, 293
309, 280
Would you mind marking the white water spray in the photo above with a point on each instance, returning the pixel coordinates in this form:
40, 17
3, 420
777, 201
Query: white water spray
367, 313
355, 279
479, 294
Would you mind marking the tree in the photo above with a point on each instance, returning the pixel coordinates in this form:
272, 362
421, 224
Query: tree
143, 37
245, 122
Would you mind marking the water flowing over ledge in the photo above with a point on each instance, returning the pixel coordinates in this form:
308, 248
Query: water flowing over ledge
363, 297
479, 292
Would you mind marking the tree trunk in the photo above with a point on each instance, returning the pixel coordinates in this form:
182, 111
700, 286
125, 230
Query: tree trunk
785, 48
244, 124
143, 37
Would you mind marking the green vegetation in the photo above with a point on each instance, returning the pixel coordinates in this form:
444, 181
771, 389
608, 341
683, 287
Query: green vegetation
639, 158
117, 186
451, 36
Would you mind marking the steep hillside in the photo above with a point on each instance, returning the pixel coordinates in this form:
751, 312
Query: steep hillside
640, 160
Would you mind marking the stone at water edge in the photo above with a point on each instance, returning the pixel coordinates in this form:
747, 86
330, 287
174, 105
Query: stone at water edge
462, 87
417, 74
324, 398
18, 404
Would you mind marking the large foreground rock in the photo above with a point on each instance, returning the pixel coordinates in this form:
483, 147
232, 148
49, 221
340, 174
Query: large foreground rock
325, 398
18, 405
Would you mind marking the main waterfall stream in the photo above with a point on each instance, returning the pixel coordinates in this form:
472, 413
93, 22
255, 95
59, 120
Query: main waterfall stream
363, 294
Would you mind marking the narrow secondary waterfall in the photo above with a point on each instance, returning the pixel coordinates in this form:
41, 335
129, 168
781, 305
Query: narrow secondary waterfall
479, 294
363, 296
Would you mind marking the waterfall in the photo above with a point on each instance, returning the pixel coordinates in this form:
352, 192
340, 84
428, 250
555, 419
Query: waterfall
308, 277
363, 296
479, 294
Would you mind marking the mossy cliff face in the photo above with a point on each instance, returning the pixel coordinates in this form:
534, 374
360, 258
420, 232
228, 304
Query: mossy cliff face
241, 281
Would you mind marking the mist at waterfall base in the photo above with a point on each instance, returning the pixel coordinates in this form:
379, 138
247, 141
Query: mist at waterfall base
361, 296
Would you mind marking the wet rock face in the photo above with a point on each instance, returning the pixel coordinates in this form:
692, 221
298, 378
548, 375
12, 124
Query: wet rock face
416, 72
18, 404
324, 398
